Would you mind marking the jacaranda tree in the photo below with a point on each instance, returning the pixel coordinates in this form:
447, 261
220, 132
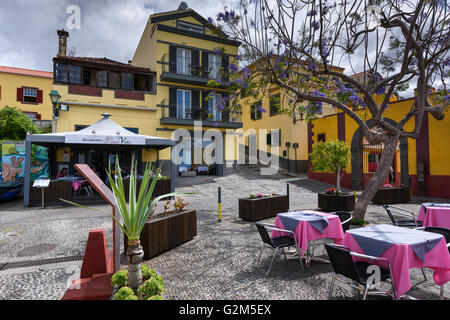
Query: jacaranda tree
296, 44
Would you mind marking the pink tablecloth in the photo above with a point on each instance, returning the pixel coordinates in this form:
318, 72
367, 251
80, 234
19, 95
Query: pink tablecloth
435, 217
402, 258
305, 232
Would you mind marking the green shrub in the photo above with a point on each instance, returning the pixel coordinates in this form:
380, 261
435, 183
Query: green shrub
123, 293
156, 297
147, 272
154, 286
120, 278
132, 297
360, 222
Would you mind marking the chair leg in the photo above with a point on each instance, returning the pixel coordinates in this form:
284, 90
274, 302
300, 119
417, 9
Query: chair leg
424, 275
441, 294
284, 253
260, 256
273, 258
333, 279
366, 290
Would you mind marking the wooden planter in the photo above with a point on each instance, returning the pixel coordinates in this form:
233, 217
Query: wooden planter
55, 190
262, 208
330, 202
392, 195
161, 187
165, 233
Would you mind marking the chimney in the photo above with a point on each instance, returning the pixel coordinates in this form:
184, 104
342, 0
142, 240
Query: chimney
62, 48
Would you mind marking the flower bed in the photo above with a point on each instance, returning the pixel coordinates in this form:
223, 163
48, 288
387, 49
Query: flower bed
258, 207
392, 194
167, 231
332, 200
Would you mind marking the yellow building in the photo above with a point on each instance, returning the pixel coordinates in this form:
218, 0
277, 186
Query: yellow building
264, 113
163, 88
421, 163
28, 91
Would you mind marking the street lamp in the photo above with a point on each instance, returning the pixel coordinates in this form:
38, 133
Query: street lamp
54, 97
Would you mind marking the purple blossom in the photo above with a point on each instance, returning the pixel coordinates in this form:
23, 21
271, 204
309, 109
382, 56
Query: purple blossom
210, 20
260, 108
246, 73
316, 25
311, 13
232, 67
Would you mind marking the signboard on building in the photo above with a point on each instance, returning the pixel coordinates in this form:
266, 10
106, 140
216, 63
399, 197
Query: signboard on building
94, 139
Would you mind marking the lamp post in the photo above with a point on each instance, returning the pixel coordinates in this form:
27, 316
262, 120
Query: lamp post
54, 97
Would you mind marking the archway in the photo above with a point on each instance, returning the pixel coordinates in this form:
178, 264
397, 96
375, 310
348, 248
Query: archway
357, 159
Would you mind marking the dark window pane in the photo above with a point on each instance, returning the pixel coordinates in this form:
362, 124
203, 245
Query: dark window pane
114, 80
75, 74
102, 78
126, 80
61, 72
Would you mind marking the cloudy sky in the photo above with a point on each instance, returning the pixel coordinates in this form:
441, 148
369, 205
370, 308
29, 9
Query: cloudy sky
109, 28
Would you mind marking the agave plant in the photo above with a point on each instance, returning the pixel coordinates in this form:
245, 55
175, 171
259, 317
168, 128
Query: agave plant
141, 205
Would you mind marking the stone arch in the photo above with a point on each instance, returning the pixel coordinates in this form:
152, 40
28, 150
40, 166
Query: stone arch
356, 151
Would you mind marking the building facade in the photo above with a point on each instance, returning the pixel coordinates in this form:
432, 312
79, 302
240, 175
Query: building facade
27, 90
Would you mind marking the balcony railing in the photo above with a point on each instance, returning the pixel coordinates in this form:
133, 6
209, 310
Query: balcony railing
171, 111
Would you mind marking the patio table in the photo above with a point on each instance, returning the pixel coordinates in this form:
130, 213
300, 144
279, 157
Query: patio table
404, 249
435, 214
309, 225
76, 181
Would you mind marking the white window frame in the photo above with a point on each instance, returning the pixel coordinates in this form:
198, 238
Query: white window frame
214, 65
212, 103
187, 26
186, 104
184, 59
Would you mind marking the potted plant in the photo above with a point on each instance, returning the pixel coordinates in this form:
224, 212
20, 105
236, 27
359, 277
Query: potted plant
389, 194
167, 229
262, 206
331, 157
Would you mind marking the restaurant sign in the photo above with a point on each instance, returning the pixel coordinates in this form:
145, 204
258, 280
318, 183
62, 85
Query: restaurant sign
85, 139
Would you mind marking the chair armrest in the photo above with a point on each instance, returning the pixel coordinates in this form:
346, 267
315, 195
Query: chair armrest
364, 256
348, 220
280, 230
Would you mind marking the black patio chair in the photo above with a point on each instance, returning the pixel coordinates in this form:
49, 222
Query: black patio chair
342, 261
345, 217
446, 233
276, 243
411, 222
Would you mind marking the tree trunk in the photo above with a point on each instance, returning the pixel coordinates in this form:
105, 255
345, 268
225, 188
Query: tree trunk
135, 255
376, 182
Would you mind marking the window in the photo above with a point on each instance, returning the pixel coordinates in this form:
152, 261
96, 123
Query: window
142, 82
30, 95
126, 82
190, 27
212, 107
214, 64
102, 78
183, 61
183, 104
61, 72
114, 79
255, 110
75, 74
321, 137
274, 104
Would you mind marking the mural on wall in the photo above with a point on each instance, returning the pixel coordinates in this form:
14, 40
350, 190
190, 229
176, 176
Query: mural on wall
13, 162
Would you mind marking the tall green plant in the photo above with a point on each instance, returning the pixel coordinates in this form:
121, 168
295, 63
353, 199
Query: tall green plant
330, 157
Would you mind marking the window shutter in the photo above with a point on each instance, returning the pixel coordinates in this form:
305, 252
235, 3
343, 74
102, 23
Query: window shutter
269, 139
39, 96
225, 63
0, 92
172, 59
252, 112
205, 59
226, 111
172, 102
195, 58
204, 112
20, 94
195, 105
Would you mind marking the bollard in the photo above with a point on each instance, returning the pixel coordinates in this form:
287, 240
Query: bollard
354, 192
219, 191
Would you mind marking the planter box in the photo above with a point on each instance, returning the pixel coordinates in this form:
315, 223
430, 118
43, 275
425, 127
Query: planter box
262, 208
392, 195
161, 187
55, 190
343, 202
165, 233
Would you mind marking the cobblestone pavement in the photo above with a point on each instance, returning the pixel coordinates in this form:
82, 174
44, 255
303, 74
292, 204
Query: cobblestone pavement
217, 264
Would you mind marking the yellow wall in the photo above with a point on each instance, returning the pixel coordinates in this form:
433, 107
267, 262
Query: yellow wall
9, 84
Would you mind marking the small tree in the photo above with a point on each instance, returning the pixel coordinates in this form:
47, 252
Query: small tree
330, 157
15, 124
